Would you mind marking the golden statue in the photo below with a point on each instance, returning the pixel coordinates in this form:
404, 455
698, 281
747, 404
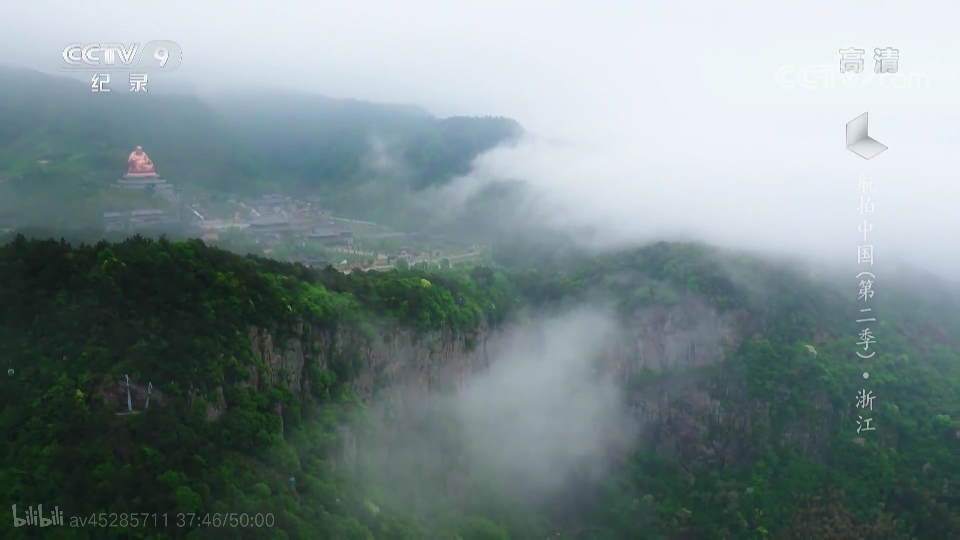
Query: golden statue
139, 164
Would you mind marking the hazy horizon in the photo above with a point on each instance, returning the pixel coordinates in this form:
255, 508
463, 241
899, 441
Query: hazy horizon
673, 120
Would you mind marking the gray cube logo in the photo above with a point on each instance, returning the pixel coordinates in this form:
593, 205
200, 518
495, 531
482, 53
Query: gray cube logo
859, 141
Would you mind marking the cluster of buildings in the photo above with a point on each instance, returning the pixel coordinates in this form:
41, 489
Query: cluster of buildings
277, 217
268, 220
272, 219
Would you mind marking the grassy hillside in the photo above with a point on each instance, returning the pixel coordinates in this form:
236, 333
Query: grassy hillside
76, 319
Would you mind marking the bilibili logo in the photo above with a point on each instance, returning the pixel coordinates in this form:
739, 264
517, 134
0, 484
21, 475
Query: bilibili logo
36, 517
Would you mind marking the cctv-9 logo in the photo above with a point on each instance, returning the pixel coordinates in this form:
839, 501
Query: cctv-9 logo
160, 55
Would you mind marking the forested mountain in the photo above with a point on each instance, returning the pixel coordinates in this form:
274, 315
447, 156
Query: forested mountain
318, 141
325, 400
57, 137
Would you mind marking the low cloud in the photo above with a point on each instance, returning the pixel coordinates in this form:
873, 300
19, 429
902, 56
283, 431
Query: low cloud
797, 197
542, 415
544, 409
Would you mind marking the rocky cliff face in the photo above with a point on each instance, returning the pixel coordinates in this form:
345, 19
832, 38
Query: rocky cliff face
688, 335
415, 367
658, 359
397, 359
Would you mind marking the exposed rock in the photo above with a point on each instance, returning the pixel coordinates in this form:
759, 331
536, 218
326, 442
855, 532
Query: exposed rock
215, 410
278, 410
284, 364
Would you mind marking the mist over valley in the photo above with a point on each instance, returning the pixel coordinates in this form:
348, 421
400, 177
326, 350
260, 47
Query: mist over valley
419, 271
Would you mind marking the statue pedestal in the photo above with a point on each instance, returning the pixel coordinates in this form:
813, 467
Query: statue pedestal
159, 185
140, 182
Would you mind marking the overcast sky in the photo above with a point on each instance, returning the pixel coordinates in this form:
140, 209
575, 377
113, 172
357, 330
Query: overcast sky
677, 117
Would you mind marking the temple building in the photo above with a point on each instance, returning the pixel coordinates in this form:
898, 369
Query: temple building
273, 204
141, 174
270, 225
150, 218
330, 237
269, 229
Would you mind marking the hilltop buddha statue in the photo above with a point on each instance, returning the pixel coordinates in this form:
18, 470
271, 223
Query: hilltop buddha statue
139, 164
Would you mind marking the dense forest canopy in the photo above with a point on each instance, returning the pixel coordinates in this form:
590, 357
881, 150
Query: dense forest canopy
233, 428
